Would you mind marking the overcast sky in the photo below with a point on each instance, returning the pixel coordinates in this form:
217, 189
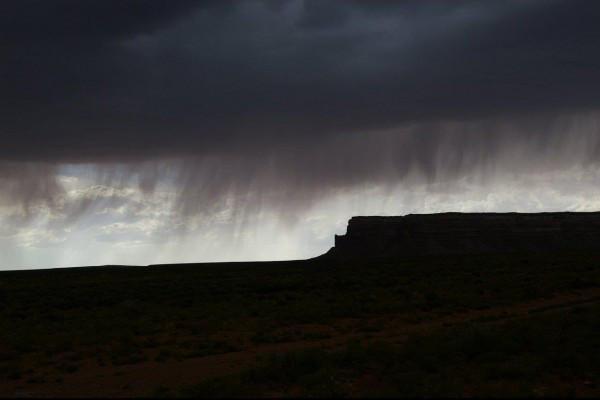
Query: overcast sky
141, 131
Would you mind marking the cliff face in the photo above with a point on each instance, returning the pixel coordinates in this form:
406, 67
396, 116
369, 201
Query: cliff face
476, 233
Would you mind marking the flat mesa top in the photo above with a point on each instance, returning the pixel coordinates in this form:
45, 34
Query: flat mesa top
478, 215
468, 233
479, 221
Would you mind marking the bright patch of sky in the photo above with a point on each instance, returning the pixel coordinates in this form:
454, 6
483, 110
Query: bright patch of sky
97, 224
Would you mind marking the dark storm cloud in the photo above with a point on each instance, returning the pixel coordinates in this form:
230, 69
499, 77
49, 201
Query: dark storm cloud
68, 20
296, 92
85, 80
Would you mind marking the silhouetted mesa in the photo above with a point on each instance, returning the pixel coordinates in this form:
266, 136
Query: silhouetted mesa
474, 233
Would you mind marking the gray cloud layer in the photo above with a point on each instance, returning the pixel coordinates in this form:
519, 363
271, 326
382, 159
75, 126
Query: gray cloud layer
281, 102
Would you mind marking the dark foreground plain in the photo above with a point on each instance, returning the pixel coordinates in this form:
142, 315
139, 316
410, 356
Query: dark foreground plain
457, 325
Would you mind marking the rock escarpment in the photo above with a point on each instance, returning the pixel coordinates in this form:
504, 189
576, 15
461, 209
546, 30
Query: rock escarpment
473, 233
